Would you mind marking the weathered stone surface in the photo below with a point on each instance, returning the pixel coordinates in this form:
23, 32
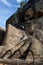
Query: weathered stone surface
12, 20
24, 44
14, 35
39, 5
16, 18
33, 25
38, 34
13, 38
36, 47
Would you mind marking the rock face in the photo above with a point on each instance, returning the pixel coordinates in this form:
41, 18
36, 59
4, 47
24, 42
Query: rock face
39, 5
23, 39
13, 39
13, 34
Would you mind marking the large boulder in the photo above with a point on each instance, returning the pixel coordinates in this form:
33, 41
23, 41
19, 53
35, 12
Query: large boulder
13, 39
30, 51
35, 47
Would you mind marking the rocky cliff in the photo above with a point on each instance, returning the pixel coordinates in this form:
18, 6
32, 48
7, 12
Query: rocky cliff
23, 39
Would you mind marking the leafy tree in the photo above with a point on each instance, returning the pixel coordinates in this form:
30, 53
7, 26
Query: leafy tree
22, 4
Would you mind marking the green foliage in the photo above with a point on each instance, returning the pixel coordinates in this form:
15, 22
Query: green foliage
22, 4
